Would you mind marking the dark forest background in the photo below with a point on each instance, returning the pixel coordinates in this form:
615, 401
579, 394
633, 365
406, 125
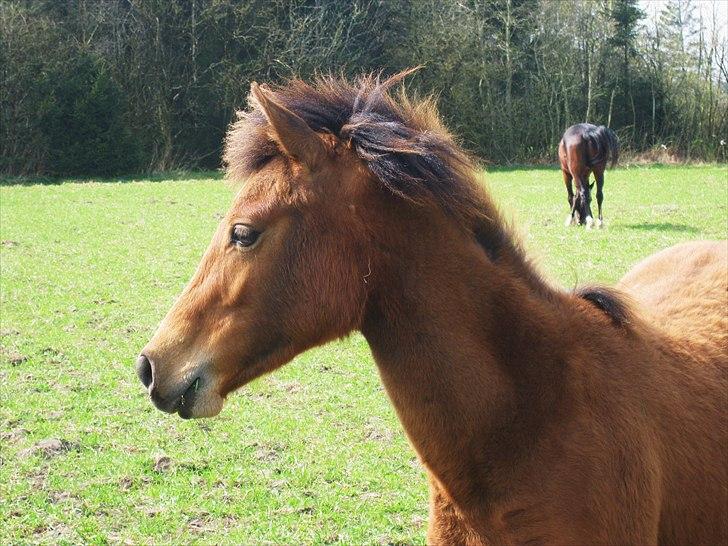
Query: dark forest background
102, 87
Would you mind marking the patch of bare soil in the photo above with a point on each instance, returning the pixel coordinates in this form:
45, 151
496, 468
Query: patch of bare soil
162, 464
50, 447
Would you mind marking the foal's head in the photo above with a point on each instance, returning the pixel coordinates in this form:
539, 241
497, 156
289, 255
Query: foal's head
289, 266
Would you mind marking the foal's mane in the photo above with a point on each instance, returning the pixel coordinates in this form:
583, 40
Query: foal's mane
401, 140
613, 303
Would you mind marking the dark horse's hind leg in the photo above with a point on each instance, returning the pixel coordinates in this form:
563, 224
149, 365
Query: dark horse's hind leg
570, 192
599, 175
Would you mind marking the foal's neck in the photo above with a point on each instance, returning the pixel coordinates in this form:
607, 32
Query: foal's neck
466, 342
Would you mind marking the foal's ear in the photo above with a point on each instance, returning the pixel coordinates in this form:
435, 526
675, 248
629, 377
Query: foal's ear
290, 131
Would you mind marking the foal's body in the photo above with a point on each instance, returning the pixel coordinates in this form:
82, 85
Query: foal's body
541, 416
531, 436
683, 293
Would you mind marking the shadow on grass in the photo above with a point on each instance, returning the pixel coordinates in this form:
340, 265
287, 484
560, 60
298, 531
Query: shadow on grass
666, 226
516, 167
150, 177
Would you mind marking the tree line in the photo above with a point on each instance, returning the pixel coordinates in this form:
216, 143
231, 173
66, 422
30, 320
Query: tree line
102, 87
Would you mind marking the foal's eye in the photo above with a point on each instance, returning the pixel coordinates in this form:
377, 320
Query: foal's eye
244, 236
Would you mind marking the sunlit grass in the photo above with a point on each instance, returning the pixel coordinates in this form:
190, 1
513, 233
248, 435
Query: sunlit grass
311, 454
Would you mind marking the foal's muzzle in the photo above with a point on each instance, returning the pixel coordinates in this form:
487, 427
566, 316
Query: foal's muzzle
180, 400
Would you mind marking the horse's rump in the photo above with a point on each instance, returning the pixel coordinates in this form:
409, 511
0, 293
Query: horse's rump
606, 144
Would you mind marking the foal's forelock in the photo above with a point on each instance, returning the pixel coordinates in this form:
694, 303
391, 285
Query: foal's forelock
401, 142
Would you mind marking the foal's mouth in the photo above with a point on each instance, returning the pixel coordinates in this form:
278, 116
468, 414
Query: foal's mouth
179, 403
187, 400
191, 396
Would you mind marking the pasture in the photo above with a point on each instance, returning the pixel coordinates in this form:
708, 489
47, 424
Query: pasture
310, 455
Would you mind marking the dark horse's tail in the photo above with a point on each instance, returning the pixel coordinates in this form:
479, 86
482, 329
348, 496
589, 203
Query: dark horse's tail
606, 142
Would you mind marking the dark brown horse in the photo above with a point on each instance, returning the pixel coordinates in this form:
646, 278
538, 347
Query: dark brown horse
586, 149
359, 212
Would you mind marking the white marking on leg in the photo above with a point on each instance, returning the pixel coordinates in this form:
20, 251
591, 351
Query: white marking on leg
600, 223
589, 222
569, 220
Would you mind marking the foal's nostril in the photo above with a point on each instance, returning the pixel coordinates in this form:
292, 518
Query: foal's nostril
144, 370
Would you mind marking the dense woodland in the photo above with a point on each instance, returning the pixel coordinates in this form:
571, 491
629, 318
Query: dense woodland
102, 87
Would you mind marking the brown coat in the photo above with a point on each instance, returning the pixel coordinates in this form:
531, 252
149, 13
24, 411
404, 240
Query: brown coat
542, 416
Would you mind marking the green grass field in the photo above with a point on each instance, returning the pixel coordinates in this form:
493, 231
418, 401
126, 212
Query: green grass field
310, 455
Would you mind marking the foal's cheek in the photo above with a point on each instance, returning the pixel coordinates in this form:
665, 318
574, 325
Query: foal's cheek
345, 289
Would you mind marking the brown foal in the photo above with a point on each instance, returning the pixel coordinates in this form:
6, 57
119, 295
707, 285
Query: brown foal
359, 212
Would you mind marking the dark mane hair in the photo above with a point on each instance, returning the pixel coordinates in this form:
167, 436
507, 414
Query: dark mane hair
610, 301
401, 141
